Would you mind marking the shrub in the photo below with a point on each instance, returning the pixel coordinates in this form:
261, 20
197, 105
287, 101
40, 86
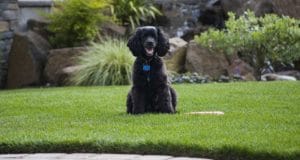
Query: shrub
107, 63
133, 12
269, 37
74, 22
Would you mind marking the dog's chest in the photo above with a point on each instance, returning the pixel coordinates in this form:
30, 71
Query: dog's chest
151, 71
147, 74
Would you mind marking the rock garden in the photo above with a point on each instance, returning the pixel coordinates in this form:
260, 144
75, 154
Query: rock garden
41, 48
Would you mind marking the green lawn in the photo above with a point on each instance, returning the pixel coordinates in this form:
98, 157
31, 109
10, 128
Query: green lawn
261, 121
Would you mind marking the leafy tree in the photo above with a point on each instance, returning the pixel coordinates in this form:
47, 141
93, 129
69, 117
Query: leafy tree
74, 22
269, 37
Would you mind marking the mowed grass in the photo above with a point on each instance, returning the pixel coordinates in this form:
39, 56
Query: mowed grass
261, 121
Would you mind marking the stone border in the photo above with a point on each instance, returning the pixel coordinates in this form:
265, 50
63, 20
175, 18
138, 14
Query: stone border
35, 3
88, 156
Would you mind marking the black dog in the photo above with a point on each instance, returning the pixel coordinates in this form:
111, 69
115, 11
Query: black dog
150, 91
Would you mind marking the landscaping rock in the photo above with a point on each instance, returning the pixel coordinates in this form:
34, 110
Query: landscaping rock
12, 6
3, 73
39, 26
188, 78
292, 73
277, 77
180, 16
26, 60
65, 74
204, 62
13, 25
175, 59
191, 32
224, 78
112, 29
241, 70
260, 7
7, 35
58, 60
215, 11
9, 15
4, 26
213, 14
236, 6
9, 12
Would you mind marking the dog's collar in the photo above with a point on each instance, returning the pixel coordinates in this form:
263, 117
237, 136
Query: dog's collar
147, 61
146, 66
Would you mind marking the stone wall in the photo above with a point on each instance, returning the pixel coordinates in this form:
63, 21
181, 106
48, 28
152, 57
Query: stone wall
9, 10
8, 23
14, 16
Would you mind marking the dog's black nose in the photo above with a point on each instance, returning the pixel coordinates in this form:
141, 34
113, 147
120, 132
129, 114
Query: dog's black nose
150, 44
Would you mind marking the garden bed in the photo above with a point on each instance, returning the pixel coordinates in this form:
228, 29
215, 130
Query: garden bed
260, 121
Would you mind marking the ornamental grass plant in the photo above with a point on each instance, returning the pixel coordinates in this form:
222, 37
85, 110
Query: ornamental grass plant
106, 63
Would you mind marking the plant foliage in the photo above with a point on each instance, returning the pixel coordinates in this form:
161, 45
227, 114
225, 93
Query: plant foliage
272, 37
74, 22
107, 63
133, 12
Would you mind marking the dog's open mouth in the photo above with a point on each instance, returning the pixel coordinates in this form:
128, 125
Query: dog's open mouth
149, 51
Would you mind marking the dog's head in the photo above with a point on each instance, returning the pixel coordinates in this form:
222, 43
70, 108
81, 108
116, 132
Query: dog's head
147, 42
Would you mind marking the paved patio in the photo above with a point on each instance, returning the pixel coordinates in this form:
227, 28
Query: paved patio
89, 156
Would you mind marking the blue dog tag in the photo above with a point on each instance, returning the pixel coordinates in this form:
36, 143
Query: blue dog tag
146, 67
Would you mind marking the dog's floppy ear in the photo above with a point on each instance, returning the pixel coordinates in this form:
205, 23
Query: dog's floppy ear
163, 43
134, 43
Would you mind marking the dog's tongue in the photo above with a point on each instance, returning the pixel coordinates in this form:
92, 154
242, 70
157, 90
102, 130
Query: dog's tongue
149, 51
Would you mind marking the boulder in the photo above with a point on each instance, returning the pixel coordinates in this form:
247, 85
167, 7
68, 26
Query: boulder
236, 6
175, 59
241, 70
39, 26
3, 73
277, 77
58, 60
66, 73
293, 73
202, 61
213, 14
112, 29
260, 7
224, 79
179, 16
26, 60
215, 11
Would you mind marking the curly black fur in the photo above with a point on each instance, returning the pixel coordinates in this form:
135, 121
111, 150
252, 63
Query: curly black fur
150, 91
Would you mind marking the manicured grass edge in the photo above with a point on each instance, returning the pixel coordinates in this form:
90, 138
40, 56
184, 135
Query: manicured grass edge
222, 153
